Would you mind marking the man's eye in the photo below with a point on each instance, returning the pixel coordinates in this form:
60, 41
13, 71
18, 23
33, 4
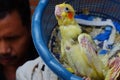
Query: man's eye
11, 38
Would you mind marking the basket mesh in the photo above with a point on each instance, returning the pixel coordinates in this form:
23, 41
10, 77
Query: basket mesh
106, 9
102, 8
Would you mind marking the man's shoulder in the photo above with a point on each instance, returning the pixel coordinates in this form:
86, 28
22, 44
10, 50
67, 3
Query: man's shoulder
29, 65
35, 69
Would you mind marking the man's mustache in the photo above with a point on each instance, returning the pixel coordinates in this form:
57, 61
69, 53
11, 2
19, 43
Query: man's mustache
7, 56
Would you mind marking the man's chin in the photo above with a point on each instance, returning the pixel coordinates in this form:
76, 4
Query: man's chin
8, 62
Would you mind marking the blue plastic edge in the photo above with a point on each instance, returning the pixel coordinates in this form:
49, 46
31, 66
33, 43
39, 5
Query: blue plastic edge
42, 49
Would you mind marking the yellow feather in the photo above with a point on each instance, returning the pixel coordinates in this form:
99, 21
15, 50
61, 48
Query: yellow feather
77, 48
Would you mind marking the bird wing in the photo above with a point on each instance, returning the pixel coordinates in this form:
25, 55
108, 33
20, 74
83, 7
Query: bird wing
89, 48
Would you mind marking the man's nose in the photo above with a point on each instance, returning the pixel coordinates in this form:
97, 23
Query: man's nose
4, 47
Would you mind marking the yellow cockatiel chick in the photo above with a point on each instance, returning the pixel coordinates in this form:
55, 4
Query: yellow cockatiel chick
77, 48
69, 29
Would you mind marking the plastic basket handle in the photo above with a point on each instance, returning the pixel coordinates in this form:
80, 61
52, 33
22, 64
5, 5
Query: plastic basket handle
41, 47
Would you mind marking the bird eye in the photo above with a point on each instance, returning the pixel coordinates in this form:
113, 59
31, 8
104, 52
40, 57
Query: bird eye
66, 9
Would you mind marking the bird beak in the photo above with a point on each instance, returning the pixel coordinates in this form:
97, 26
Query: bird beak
58, 11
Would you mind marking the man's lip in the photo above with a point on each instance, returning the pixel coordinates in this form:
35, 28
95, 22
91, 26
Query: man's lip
7, 59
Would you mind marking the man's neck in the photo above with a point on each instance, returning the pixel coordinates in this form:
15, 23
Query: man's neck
10, 72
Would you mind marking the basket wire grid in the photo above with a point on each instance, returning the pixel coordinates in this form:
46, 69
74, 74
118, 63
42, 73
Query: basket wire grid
108, 9
102, 8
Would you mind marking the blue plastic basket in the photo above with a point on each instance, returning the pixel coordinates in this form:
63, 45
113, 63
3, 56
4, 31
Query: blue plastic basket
43, 22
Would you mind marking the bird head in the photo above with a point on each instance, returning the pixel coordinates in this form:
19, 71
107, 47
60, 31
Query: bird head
64, 13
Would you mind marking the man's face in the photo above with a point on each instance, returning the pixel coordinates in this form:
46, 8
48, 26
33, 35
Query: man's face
14, 39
